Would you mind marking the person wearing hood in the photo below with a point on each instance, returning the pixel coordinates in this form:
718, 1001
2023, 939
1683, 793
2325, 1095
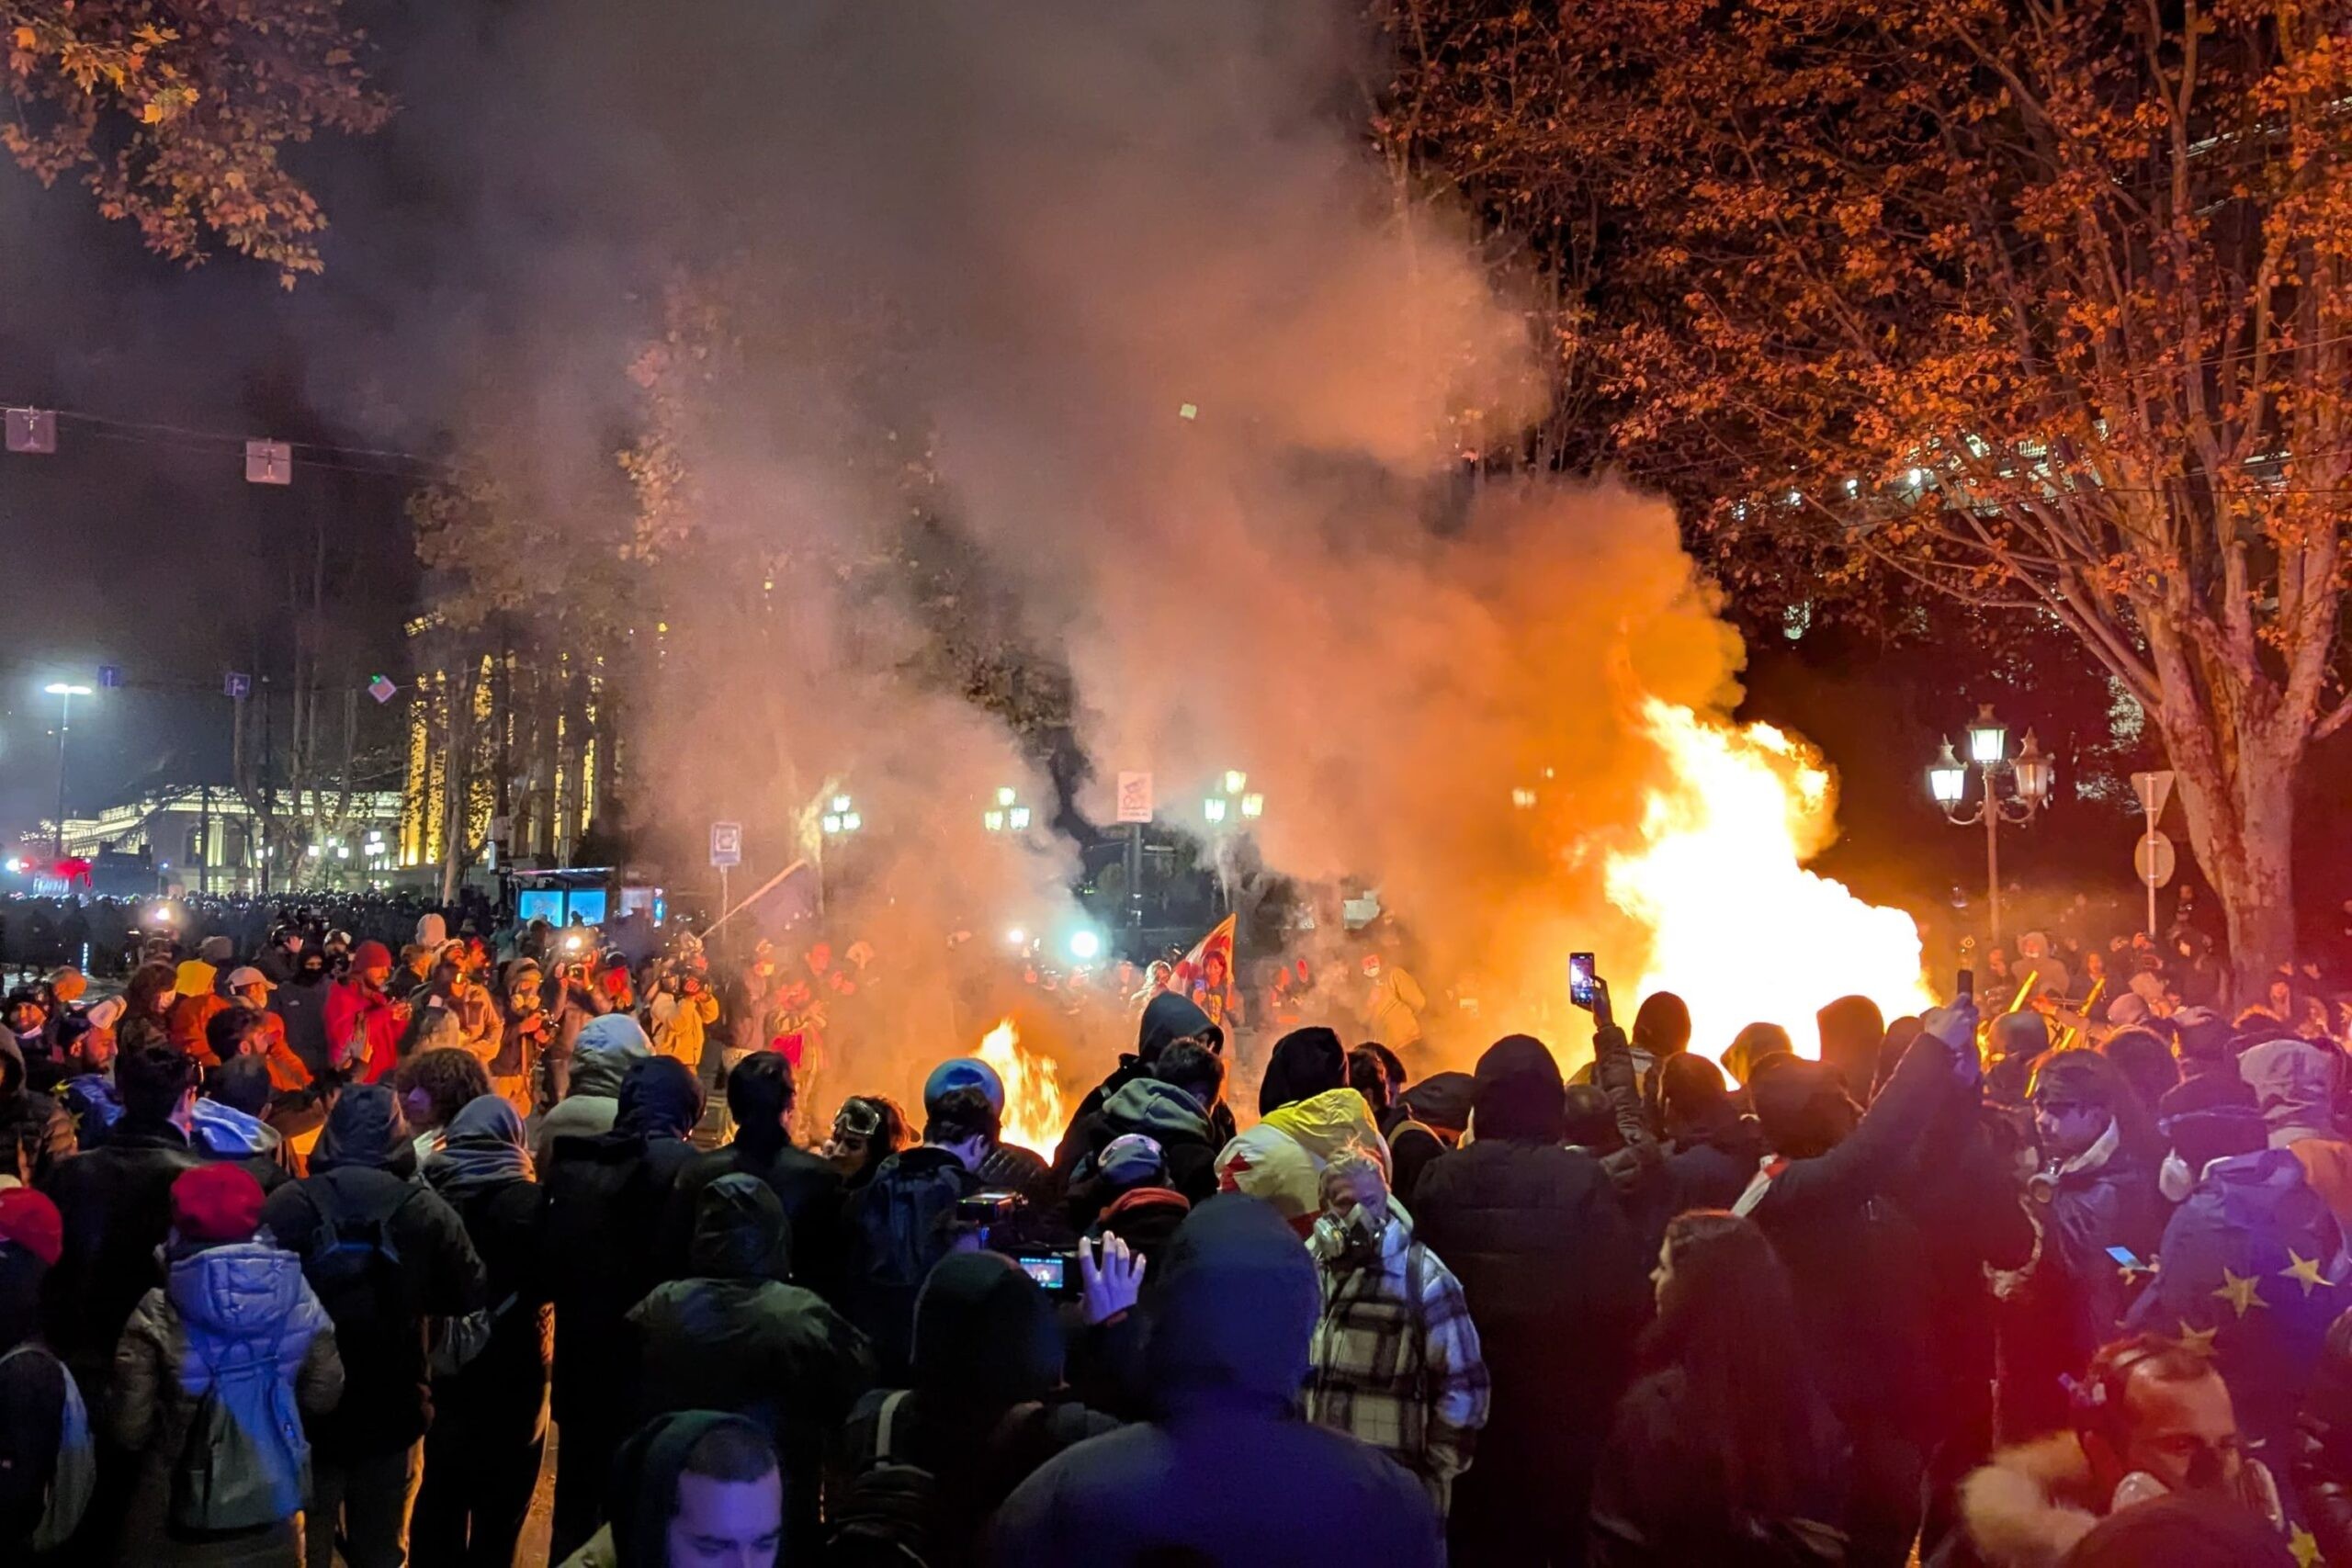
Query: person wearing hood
1825, 1197
1661, 1032
2295, 1084
1217, 1477
984, 1409
195, 1000
301, 1000
39, 1399
1553, 1270
604, 1199
282, 957
1851, 1029
1395, 1357
1430, 1118
1172, 1108
761, 1099
688, 1489
2213, 1112
1167, 1017
733, 1335
236, 1329
489, 1417
225, 1124
117, 1204
36, 1133
2252, 1261
386, 1255
1306, 1115
607, 1048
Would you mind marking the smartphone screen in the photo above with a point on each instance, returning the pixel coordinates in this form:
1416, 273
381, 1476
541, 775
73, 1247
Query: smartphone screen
1967, 987
2123, 1255
1047, 1271
1580, 973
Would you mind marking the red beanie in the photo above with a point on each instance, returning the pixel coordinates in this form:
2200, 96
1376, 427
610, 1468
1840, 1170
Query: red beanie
30, 1221
216, 1203
371, 956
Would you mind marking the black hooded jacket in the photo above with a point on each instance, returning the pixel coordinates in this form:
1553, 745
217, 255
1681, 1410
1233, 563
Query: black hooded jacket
359, 1188
734, 1337
117, 1204
809, 1190
606, 1197
1229, 1474
1167, 1019
984, 1410
1551, 1268
643, 1495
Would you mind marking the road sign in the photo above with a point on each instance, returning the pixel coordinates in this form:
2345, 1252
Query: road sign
381, 689
237, 684
109, 676
270, 462
2154, 860
725, 844
2153, 790
1134, 798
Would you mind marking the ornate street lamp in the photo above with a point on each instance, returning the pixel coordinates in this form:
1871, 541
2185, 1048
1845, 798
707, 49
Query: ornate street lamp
2033, 779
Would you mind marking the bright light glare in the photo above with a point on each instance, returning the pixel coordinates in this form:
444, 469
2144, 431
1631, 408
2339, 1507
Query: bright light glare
1004, 796
1213, 808
841, 803
60, 689
1085, 947
1017, 937
1018, 817
1236, 780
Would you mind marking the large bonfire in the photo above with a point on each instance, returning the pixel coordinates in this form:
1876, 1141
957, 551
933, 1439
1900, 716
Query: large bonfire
1739, 929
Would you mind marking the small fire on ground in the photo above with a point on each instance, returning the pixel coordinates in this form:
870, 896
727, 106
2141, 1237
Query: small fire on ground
1033, 1115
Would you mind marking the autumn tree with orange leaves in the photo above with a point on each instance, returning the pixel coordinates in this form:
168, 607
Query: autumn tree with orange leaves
176, 114
2041, 304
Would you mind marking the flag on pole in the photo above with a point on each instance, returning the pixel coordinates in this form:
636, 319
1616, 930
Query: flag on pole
1192, 976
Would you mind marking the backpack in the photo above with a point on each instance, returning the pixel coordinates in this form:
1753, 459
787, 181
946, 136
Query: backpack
76, 1473
243, 1463
902, 1224
883, 1517
354, 1266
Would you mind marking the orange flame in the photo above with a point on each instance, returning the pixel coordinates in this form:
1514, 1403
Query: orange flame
1740, 930
1033, 1116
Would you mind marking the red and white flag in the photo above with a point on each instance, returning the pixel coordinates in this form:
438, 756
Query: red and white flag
1193, 978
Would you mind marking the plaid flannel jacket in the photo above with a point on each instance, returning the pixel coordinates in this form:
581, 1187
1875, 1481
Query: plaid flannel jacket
1395, 1359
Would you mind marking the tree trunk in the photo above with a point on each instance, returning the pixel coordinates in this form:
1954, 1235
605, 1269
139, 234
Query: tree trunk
2237, 789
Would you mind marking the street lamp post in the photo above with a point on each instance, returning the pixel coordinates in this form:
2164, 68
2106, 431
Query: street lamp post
1234, 810
2032, 778
840, 819
64, 693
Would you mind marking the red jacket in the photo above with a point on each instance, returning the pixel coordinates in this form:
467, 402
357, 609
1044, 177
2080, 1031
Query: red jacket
352, 1011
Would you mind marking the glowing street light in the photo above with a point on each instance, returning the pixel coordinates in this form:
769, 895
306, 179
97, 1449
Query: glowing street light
1522, 799
1254, 806
1236, 780
1006, 795
1007, 813
1213, 808
1085, 945
2033, 779
64, 692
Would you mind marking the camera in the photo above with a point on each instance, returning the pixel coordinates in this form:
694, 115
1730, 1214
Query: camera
990, 1208
1056, 1270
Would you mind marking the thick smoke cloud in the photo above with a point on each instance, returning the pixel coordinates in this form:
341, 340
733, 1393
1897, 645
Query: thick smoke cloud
1120, 298
1181, 366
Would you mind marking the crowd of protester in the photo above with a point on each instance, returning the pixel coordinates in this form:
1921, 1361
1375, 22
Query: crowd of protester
308, 1238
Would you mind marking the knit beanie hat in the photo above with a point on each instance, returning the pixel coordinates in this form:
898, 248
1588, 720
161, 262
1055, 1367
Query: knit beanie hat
27, 1219
216, 1203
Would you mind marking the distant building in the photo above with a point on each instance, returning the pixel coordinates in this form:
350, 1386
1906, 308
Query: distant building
201, 838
